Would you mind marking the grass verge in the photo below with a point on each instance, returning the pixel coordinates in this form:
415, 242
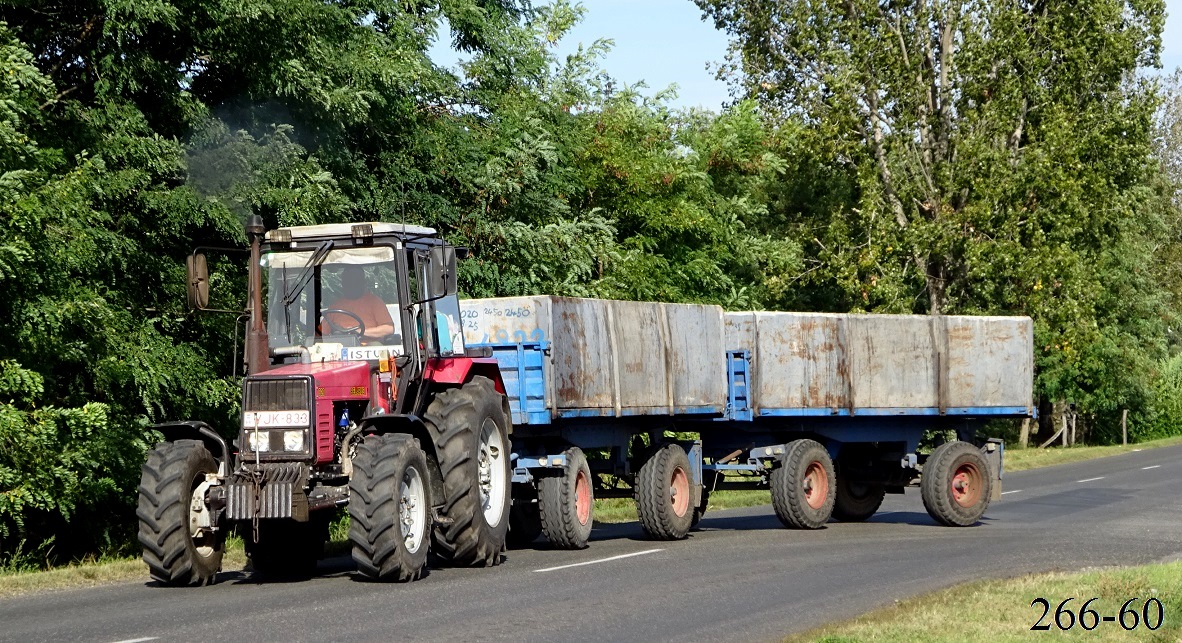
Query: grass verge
1033, 457
1000, 610
89, 573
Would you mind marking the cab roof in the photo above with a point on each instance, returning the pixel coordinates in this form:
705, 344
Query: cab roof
346, 230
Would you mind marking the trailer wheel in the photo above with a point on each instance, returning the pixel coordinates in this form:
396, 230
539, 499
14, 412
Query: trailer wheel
567, 502
525, 520
390, 508
856, 501
470, 431
803, 492
287, 548
176, 549
955, 484
662, 493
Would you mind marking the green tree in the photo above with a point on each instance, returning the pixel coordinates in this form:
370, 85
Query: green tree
1001, 153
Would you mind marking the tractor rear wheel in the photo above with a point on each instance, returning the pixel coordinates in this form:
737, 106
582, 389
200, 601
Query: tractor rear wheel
567, 502
663, 490
470, 431
177, 548
803, 492
955, 484
390, 508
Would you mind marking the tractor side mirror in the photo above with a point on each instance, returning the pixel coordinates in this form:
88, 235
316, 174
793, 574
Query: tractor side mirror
441, 272
197, 284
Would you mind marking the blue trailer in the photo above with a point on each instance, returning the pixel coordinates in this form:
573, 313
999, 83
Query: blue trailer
667, 403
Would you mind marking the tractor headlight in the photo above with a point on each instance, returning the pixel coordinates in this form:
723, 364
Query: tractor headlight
293, 440
260, 441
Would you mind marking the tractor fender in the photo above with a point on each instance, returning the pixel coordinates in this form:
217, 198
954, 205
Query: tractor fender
197, 430
460, 370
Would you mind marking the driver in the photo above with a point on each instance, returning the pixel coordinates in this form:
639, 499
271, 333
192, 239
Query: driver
358, 298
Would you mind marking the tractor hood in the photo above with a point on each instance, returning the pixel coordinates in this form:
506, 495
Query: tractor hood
331, 380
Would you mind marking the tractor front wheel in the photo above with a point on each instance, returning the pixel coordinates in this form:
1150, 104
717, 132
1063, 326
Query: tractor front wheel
390, 508
181, 547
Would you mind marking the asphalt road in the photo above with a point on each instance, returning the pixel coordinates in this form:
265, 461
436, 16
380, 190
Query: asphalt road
742, 576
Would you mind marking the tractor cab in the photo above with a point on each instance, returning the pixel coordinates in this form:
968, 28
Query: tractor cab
363, 292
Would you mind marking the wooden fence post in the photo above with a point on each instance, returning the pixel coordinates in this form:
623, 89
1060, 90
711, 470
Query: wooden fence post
1124, 426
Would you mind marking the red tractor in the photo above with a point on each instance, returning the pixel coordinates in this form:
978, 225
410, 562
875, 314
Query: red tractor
358, 392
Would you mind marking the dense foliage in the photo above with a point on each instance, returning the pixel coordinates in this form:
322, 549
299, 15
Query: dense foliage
969, 157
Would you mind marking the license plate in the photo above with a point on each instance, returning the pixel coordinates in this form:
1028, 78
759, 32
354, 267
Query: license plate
366, 353
276, 419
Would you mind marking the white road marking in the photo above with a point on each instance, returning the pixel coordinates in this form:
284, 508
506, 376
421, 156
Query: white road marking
1014, 491
146, 638
1089, 480
1153, 467
1136, 450
601, 560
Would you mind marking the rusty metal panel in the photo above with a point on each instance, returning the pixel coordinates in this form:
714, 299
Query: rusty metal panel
697, 356
847, 363
798, 360
990, 361
614, 357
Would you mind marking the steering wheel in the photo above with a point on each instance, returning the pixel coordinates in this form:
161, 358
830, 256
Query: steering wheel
358, 329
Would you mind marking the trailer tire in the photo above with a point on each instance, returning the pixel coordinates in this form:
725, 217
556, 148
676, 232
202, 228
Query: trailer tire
286, 548
955, 484
663, 498
470, 431
856, 501
390, 508
525, 520
168, 480
567, 503
803, 493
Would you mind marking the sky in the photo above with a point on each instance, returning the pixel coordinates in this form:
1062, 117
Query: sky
665, 42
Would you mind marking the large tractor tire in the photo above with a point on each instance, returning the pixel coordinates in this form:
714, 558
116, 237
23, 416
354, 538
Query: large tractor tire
525, 518
176, 552
955, 484
287, 548
856, 501
390, 508
663, 494
470, 431
567, 503
803, 490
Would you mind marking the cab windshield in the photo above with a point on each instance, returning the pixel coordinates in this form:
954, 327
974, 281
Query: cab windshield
347, 296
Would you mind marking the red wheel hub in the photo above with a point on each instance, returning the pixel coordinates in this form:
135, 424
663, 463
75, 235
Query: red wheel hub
582, 498
816, 485
966, 485
679, 491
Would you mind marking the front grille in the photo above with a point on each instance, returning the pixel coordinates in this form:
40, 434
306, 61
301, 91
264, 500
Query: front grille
279, 492
277, 394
